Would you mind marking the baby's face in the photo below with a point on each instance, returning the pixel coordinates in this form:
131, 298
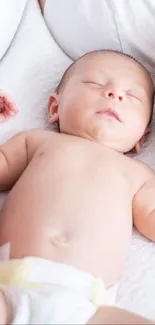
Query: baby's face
107, 99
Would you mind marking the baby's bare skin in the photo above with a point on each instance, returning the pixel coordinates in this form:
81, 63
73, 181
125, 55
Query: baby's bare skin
75, 195
7, 107
72, 204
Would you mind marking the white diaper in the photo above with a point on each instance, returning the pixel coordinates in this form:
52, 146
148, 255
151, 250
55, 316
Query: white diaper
40, 291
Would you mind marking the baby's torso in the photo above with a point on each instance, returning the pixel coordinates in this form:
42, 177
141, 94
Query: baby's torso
73, 204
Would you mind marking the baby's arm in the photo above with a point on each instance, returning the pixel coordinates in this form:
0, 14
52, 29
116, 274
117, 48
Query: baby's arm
144, 205
13, 160
15, 154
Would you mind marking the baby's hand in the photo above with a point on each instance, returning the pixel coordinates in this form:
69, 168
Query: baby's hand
7, 107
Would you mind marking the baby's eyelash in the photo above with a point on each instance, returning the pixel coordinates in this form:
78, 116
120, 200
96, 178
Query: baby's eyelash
92, 83
133, 95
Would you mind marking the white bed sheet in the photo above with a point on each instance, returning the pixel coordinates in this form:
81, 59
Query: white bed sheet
29, 71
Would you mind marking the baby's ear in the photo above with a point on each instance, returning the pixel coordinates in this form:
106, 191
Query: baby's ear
137, 147
53, 104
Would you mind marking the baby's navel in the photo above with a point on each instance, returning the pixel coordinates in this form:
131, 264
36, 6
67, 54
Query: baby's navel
59, 238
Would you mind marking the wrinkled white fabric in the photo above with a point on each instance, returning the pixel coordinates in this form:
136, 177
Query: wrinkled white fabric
81, 26
59, 294
10, 16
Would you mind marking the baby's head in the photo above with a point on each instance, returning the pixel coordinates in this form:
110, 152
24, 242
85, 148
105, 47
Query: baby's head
104, 96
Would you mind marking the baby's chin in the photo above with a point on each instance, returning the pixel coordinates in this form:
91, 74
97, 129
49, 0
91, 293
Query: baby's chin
112, 143
98, 136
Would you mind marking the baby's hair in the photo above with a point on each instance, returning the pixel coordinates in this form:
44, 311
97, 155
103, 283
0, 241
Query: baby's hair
71, 69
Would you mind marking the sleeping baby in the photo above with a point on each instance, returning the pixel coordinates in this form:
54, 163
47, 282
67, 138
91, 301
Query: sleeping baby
75, 195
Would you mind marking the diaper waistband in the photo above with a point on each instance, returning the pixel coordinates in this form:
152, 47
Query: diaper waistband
33, 272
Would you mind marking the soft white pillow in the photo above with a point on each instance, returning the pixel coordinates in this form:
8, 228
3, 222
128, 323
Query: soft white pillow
10, 16
30, 71
80, 26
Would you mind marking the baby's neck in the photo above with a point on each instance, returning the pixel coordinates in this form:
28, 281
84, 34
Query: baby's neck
86, 137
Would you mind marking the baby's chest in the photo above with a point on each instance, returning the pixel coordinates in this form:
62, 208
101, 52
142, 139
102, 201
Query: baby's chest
110, 184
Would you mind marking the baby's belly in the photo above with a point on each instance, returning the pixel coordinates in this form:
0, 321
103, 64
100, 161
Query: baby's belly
96, 243
99, 250
78, 214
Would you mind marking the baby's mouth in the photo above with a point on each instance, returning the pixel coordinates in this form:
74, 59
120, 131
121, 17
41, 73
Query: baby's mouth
110, 112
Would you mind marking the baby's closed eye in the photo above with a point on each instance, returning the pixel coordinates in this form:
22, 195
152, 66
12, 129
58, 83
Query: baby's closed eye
134, 95
93, 83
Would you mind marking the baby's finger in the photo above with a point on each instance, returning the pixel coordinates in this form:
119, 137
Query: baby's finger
1, 100
1, 105
11, 108
5, 99
6, 115
3, 118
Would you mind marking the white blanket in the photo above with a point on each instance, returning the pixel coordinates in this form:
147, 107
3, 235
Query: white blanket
29, 71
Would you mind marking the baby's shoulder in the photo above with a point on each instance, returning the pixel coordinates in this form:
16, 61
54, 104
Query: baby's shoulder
37, 138
39, 135
139, 171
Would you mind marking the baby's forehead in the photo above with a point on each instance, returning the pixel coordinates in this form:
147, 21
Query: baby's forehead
109, 61
114, 64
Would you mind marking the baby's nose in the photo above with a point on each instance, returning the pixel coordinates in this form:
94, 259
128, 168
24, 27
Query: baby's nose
114, 94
